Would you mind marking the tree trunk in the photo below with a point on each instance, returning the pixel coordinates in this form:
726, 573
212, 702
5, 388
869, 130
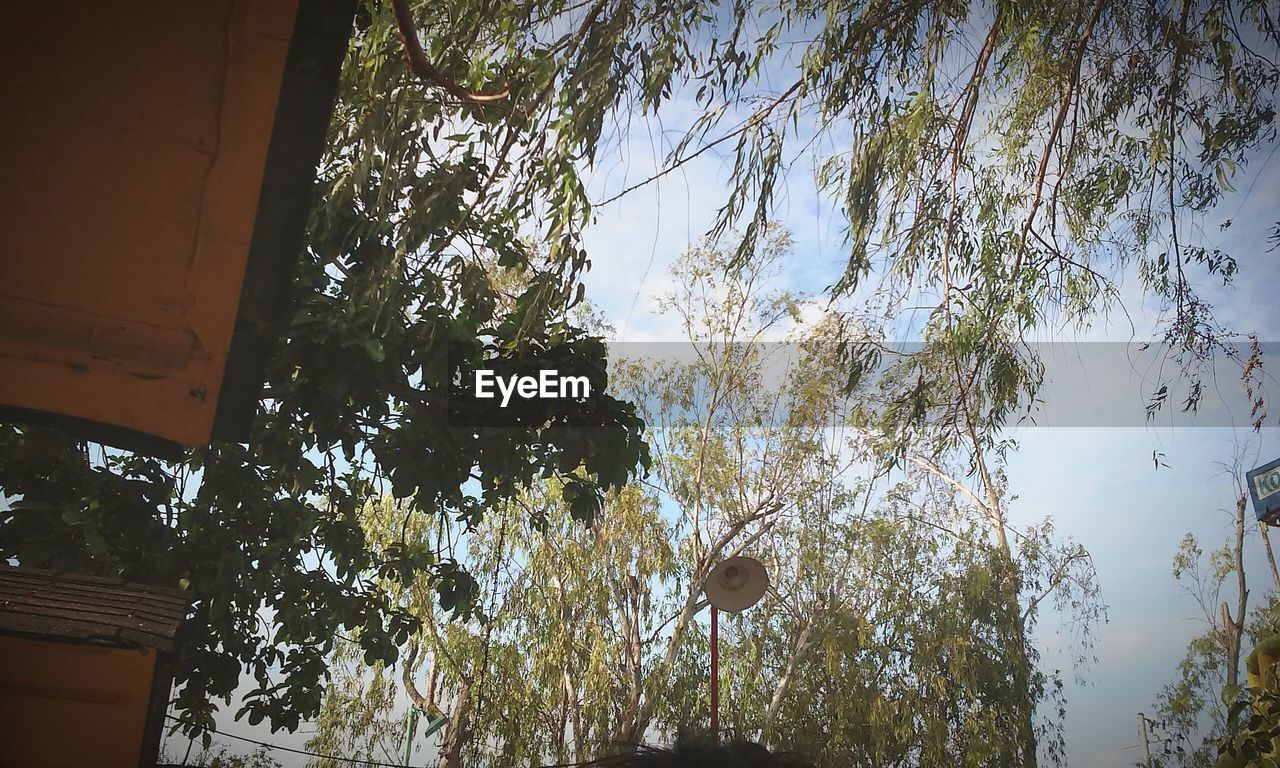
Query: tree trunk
784, 682
458, 731
1021, 672
425, 704
1271, 558
992, 509
579, 736
563, 722
1018, 632
1233, 629
628, 597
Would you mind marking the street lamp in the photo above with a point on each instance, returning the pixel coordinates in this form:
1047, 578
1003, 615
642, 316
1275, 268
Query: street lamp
734, 585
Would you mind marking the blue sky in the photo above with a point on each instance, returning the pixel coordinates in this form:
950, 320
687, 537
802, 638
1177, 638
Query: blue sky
1102, 488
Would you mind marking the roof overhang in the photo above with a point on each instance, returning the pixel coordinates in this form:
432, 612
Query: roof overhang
159, 161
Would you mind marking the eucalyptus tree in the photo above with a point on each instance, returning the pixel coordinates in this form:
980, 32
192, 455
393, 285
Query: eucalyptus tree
884, 640
998, 164
540, 679
733, 442
986, 581
588, 631
1004, 163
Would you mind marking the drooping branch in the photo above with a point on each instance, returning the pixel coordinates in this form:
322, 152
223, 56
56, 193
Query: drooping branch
423, 68
1065, 104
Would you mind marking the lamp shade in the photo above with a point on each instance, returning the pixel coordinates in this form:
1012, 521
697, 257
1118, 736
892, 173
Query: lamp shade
736, 584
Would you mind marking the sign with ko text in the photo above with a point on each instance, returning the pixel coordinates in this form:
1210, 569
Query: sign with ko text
1264, 487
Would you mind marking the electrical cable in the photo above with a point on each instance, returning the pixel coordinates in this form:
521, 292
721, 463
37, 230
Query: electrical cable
276, 747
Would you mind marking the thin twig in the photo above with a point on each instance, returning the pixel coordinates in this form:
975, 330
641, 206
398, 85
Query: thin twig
750, 123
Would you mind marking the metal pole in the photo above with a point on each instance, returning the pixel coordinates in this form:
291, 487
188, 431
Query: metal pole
715, 673
1146, 746
410, 727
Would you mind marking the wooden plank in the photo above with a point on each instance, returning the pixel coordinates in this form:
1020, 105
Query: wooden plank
41, 575
158, 628
68, 628
164, 623
51, 604
40, 591
95, 602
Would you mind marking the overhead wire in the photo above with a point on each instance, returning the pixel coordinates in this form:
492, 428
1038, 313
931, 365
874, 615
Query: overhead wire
293, 750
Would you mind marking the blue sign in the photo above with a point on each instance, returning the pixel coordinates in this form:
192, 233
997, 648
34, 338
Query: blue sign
1264, 487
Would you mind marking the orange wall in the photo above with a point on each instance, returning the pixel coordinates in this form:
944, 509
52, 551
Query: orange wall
133, 145
73, 705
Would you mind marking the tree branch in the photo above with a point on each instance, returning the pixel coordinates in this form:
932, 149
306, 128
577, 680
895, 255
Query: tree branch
423, 68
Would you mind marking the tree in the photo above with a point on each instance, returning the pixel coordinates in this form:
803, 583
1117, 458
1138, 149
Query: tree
888, 641
726, 469
988, 177
1195, 711
403, 291
883, 639
1016, 198
542, 678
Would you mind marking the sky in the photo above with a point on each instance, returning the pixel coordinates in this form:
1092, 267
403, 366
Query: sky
1099, 483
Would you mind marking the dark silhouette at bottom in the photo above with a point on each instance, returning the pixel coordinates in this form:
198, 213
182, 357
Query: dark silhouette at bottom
700, 752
